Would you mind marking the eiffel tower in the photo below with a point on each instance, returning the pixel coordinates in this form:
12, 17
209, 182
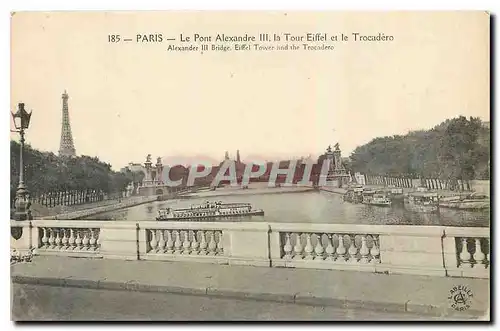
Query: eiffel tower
67, 147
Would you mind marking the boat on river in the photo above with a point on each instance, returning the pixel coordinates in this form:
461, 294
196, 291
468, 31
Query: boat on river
354, 194
422, 202
379, 199
472, 201
395, 194
209, 210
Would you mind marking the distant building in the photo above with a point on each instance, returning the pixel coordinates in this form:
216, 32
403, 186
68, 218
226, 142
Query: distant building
134, 167
359, 178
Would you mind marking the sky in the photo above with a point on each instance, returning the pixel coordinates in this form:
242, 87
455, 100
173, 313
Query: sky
127, 100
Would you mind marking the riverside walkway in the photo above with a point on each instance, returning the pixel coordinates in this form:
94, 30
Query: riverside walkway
93, 210
342, 293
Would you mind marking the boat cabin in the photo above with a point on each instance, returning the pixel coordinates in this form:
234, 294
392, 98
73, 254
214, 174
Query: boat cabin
423, 198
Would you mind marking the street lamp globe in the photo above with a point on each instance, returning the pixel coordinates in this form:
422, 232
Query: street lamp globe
21, 118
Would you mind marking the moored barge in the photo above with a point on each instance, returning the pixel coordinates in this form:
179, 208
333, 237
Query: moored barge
422, 202
209, 210
473, 201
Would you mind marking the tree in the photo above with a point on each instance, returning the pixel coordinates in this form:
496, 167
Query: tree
53, 179
455, 149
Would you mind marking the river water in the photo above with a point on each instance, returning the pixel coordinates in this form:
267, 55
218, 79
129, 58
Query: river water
311, 207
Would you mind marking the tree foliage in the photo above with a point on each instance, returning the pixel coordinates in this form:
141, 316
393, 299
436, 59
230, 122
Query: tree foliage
458, 148
45, 172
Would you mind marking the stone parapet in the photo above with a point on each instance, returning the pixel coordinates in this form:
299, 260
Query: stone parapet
391, 249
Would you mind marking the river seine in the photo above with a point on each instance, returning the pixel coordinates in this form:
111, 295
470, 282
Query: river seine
311, 207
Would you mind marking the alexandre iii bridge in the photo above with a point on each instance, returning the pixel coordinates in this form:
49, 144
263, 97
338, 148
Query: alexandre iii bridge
154, 176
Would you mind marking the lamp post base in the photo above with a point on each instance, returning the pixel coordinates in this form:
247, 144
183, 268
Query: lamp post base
22, 204
22, 216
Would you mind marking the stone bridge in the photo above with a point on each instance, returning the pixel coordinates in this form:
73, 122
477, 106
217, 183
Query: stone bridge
159, 188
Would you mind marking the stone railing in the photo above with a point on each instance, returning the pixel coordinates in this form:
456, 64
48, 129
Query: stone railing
375, 248
213, 242
73, 239
326, 248
420, 250
467, 251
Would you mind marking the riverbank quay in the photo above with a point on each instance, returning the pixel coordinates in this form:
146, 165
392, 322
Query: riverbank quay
422, 295
39, 211
337, 190
115, 205
444, 193
250, 191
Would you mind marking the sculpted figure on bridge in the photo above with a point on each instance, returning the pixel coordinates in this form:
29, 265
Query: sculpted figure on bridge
148, 158
158, 160
337, 148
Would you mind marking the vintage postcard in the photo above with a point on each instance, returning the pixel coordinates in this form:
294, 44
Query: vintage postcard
265, 165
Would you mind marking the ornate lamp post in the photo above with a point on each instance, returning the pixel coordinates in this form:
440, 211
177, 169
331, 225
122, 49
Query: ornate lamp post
21, 122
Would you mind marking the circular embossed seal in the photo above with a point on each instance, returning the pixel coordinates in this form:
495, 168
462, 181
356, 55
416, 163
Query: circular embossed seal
460, 297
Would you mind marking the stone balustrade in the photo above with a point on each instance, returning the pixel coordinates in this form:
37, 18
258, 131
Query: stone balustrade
68, 239
467, 252
374, 248
340, 248
213, 242
420, 250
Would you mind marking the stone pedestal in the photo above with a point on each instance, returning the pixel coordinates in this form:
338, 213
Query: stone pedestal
21, 238
412, 250
119, 241
248, 246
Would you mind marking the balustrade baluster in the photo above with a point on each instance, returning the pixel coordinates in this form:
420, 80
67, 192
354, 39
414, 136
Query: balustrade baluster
287, 248
341, 249
78, 240
212, 245
186, 245
220, 248
465, 256
64, 240
170, 242
364, 251
71, 240
203, 244
45, 239
177, 242
309, 249
478, 256
57, 241
298, 248
375, 251
330, 250
353, 250
154, 242
92, 241
195, 245
319, 250
85, 241
51, 238
161, 242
